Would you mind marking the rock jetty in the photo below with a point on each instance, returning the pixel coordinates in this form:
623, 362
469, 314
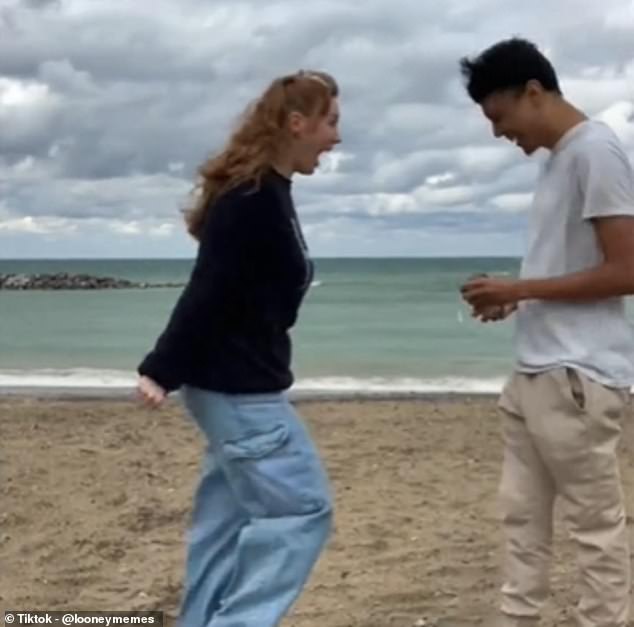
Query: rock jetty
65, 281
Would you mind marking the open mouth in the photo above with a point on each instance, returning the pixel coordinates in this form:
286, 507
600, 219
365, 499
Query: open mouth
318, 156
320, 153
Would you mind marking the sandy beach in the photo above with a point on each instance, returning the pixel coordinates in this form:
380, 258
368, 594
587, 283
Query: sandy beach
96, 497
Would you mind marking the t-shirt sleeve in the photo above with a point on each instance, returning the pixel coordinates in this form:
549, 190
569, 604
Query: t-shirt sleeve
606, 180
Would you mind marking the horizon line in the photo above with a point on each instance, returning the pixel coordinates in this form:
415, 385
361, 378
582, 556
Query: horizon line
315, 257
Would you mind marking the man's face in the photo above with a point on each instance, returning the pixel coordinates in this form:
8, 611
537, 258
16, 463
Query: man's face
515, 115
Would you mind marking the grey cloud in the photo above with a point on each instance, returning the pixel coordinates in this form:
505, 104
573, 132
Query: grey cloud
41, 4
131, 92
460, 221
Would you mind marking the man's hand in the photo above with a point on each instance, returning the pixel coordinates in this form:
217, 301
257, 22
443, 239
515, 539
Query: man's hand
150, 392
485, 292
493, 313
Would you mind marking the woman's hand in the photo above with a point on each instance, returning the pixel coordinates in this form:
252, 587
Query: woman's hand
150, 392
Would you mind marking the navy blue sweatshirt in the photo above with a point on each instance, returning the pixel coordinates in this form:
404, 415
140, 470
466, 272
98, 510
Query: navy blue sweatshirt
229, 330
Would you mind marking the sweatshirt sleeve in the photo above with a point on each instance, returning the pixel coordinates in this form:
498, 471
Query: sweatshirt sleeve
210, 298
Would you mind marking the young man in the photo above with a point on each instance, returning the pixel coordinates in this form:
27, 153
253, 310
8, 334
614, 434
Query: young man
564, 404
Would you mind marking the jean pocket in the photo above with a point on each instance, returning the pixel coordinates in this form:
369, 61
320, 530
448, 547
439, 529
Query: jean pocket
275, 472
256, 444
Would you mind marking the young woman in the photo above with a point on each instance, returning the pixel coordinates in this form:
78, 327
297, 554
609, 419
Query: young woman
262, 511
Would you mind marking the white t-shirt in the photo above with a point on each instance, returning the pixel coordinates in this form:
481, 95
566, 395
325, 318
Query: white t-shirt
587, 175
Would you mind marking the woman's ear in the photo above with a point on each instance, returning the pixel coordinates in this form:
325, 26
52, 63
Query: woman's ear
296, 123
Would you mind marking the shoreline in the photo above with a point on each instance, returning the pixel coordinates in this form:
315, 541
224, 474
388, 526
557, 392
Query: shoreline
128, 394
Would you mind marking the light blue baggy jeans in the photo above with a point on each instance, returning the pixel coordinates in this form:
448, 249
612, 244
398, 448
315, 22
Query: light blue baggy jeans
262, 512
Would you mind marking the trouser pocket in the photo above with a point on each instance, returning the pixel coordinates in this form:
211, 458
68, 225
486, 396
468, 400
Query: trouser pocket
273, 466
576, 388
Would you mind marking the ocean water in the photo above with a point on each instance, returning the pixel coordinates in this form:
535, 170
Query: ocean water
367, 325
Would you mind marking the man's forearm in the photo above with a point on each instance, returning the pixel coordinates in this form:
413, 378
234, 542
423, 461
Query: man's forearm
604, 281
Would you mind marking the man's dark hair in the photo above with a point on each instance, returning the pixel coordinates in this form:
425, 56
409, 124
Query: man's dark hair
507, 65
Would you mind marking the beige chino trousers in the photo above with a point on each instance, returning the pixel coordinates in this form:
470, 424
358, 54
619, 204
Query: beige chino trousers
561, 430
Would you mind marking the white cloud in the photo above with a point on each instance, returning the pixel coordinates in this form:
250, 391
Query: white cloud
620, 116
107, 109
439, 179
512, 202
17, 93
162, 230
40, 226
124, 228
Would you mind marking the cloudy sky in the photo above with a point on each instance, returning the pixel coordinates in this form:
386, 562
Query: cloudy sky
108, 106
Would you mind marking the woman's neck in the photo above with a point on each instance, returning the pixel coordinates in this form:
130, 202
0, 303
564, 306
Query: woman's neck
283, 167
